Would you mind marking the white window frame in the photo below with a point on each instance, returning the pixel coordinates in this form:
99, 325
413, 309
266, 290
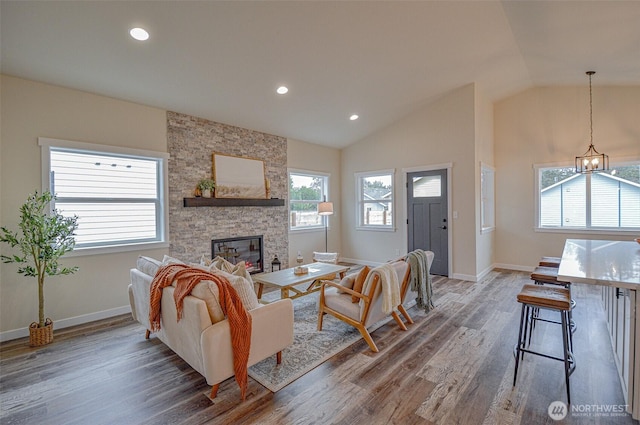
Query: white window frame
578, 230
487, 198
46, 144
360, 202
324, 195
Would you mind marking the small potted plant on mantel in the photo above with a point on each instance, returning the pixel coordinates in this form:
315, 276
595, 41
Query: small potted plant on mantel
207, 186
45, 237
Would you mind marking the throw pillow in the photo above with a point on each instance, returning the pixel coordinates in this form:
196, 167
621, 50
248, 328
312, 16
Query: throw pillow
359, 283
170, 260
200, 267
222, 264
239, 269
243, 287
347, 282
147, 265
208, 292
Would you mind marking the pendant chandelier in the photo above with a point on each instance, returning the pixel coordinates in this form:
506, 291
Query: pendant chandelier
591, 160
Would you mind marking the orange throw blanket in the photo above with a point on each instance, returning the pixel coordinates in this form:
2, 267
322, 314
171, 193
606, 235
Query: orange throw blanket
186, 278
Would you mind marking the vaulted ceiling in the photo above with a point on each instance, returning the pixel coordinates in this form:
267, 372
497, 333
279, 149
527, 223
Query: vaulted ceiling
379, 59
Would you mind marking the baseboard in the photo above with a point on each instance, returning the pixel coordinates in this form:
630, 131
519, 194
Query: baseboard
485, 272
478, 277
513, 267
66, 323
467, 277
459, 276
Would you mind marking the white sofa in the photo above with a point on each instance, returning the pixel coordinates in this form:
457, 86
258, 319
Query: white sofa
203, 344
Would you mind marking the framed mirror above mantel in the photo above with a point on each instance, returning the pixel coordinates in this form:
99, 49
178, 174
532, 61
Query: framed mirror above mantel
239, 178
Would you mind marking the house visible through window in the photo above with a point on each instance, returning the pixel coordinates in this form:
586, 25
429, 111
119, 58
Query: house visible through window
118, 197
306, 191
375, 200
598, 201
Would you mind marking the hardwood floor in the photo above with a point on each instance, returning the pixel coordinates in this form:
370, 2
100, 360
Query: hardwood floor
453, 366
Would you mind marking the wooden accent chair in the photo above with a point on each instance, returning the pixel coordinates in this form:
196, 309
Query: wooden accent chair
336, 300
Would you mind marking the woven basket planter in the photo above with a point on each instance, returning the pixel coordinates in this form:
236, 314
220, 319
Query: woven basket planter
41, 336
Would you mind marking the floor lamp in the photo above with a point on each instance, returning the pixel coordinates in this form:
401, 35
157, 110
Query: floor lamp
325, 208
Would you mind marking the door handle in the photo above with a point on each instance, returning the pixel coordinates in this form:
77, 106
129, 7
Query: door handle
443, 227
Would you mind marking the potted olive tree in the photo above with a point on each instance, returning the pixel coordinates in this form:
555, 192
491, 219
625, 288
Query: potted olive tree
43, 238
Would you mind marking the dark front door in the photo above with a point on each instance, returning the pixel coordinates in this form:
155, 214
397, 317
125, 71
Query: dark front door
427, 216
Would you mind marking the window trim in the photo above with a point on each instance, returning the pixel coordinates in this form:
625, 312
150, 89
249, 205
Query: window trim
46, 144
325, 193
486, 169
621, 162
360, 204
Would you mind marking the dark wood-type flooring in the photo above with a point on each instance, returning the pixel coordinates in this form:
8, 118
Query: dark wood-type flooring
453, 366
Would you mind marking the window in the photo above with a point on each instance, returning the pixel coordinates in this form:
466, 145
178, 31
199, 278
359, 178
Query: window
597, 201
306, 191
375, 200
487, 189
117, 194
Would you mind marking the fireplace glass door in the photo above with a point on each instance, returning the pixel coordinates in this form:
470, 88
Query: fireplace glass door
236, 250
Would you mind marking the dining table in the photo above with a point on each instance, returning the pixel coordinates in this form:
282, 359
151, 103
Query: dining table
614, 265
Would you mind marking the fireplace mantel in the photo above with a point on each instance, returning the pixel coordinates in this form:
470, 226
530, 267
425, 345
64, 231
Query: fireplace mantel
228, 202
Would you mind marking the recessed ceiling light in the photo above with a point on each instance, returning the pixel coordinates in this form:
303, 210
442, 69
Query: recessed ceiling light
354, 117
139, 34
282, 90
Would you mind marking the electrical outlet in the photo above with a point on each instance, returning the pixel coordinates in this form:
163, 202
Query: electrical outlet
455, 214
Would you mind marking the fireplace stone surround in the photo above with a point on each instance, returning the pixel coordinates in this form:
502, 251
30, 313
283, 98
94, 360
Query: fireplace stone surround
191, 142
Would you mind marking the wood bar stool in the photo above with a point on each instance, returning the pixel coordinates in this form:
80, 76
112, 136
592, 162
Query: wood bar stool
549, 275
550, 262
549, 298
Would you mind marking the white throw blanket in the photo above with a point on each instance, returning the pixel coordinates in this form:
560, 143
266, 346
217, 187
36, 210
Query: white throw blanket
390, 287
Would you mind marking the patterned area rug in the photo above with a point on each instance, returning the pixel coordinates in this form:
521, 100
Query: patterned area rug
310, 348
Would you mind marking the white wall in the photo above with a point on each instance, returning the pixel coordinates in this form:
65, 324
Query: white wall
442, 132
311, 157
551, 125
541, 125
30, 110
484, 154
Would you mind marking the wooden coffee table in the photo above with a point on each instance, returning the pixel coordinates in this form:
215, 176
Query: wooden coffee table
286, 279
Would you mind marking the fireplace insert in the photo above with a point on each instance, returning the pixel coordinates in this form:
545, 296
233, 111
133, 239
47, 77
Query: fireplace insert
235, 250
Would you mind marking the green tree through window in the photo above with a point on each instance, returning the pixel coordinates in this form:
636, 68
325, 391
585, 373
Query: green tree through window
306, 191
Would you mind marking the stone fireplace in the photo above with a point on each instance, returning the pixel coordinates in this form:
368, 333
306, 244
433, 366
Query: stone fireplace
191, 142
236, 250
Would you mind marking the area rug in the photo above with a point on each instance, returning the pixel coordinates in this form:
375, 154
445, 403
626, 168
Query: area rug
310, 347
